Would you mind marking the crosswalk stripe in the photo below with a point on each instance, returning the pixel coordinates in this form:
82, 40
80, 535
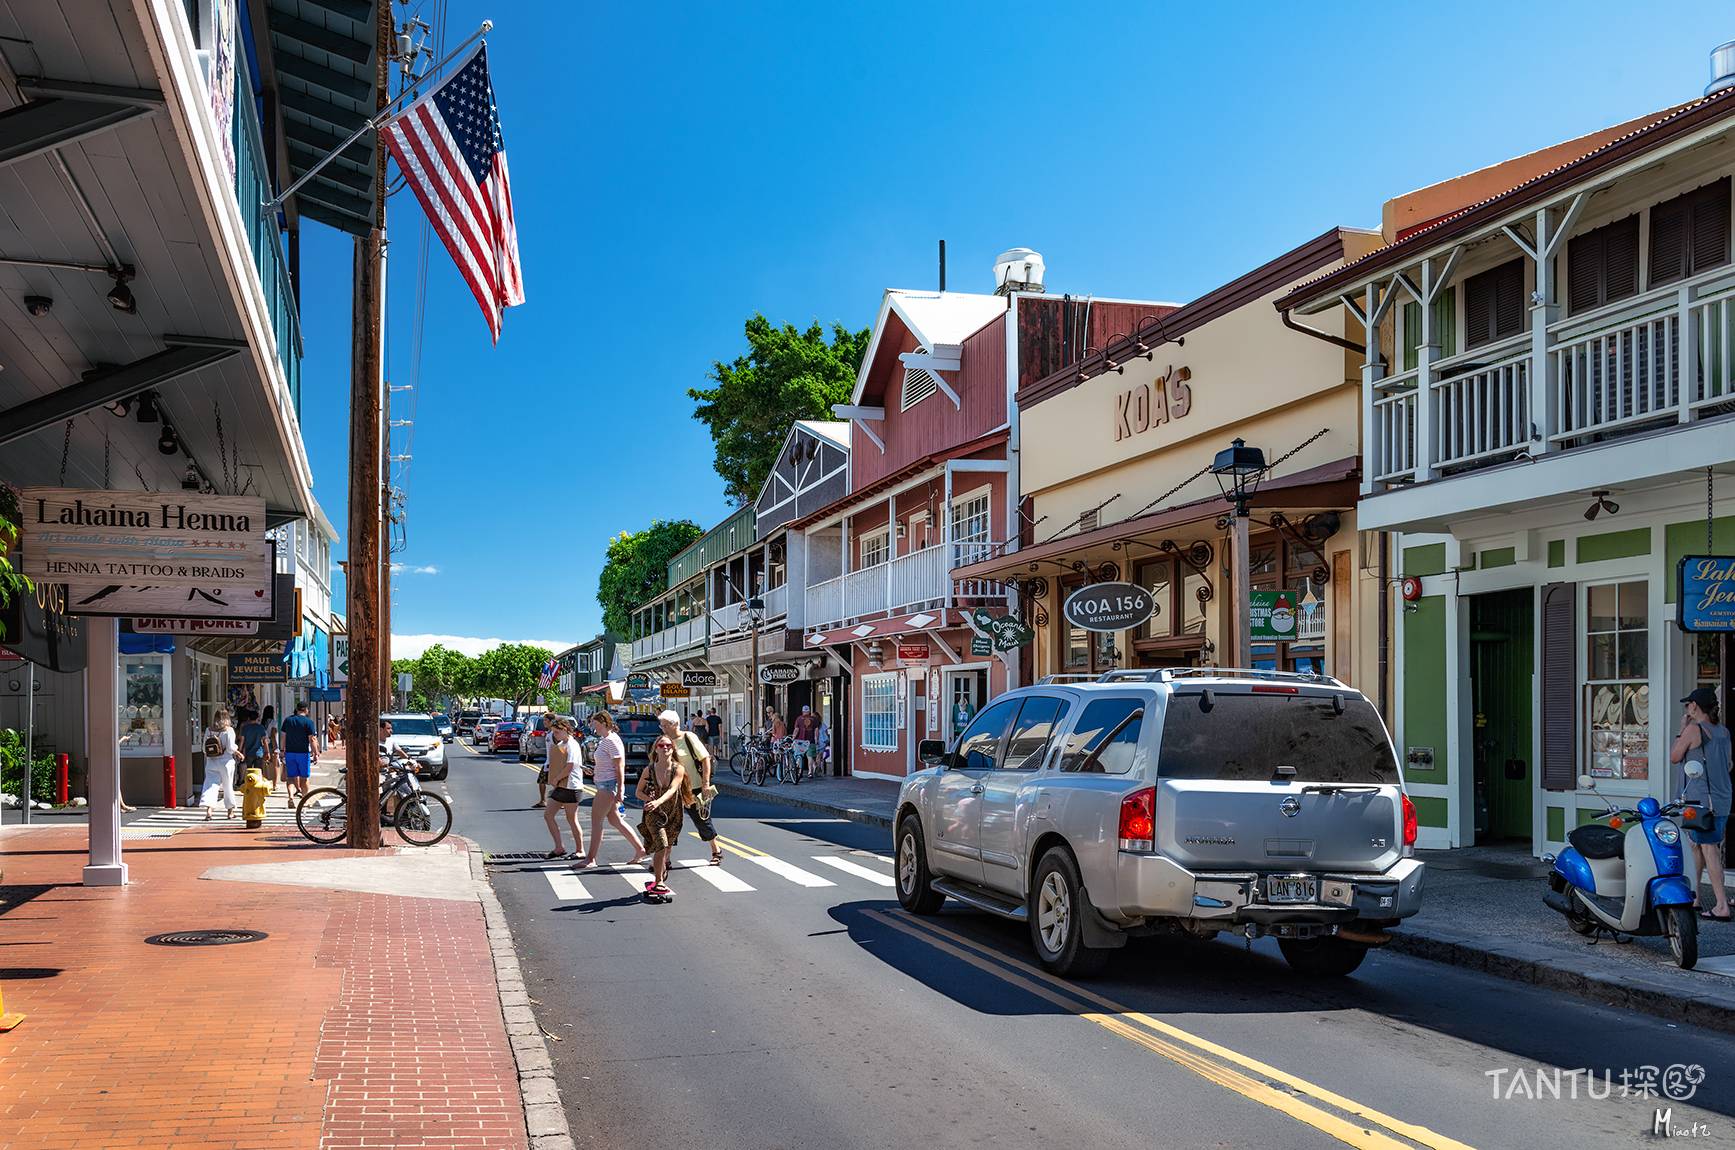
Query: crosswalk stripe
789, 871
716, 876
856, 869
567, 887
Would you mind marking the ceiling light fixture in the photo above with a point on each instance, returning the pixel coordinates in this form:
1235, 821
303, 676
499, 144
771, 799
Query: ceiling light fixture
147, 401
120, 407
38, 305
167, 442
1603, 503
120, 297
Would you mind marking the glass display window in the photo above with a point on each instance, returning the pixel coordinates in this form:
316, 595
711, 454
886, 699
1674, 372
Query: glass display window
1617, 692
143, 705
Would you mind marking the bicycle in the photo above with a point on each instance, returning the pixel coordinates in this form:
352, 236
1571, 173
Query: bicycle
421, 818
787, 769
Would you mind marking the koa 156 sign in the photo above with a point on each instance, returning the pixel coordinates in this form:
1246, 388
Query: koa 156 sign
1705, 593
1109, 607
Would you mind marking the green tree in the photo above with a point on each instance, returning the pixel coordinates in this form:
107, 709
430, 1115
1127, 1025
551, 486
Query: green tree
437, 671
510, 671
637, 568
786, 375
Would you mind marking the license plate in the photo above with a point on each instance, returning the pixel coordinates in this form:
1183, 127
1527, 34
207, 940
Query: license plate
1291, 888
639, 747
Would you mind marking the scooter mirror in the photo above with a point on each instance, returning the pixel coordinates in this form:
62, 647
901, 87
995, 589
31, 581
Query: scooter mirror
1586, 783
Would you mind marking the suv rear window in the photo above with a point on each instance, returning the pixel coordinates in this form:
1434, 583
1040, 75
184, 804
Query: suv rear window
640, 727
1245, 738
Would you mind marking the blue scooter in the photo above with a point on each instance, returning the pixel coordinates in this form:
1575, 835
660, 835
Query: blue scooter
1623, 875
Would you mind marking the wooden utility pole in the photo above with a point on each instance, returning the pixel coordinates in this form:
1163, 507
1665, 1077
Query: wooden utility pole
367, 642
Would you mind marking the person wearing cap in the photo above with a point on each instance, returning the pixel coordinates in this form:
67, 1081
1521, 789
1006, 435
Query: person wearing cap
804, 728
1701, 750
695, 760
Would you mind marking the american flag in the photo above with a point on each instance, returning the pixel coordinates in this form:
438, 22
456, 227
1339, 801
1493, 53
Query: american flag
449, 148
550, 674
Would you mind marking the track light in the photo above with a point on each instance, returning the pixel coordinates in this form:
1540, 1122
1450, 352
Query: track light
147, 402
120, 297
38, 305
120, 407
167, 442
1603, 503
191, 481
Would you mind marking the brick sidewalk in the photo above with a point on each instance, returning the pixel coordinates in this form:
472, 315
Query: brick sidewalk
363, 1020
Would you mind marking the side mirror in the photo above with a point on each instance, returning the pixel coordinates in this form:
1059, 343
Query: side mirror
1586, 783
931, 752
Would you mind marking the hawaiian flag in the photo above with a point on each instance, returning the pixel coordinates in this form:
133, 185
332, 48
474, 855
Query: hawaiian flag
550, 674
449, 147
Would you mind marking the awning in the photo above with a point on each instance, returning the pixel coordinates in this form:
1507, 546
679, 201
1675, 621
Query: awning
921, 621
1330, 485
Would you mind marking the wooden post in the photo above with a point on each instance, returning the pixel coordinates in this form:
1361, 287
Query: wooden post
366, 639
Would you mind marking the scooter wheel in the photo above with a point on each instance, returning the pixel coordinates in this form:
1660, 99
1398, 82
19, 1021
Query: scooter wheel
1581, 924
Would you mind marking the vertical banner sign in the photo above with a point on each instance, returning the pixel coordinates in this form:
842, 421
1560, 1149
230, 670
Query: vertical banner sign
220, 76
340, 658
1705, 593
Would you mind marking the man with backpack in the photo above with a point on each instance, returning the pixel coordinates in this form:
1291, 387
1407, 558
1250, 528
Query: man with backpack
691, 752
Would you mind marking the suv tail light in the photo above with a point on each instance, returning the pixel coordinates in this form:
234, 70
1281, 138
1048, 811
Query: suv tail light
1409, 822
1139, 820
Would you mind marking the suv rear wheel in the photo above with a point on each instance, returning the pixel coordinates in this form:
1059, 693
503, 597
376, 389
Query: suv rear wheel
1057, 910
915, 883
1322, 957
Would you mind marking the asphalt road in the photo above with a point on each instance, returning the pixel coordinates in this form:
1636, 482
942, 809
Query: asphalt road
787, 1001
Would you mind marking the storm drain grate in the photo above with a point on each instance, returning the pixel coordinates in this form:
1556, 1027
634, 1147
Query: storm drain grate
205, 937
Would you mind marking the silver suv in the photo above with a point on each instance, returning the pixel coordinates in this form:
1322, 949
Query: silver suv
1187, 800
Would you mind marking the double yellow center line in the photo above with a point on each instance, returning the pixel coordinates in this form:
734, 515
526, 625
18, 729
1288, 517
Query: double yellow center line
1348, 1121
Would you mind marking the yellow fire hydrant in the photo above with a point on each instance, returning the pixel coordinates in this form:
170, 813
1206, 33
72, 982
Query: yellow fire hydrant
254, 791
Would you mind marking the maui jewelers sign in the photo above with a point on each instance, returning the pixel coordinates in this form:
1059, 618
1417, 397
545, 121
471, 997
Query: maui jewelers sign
1705, 592
1147, 405
145, 538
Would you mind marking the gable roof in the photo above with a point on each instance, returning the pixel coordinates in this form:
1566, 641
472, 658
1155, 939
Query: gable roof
1663, 129
933, 317
834, 432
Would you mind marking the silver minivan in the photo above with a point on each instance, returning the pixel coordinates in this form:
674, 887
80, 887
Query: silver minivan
1193, 800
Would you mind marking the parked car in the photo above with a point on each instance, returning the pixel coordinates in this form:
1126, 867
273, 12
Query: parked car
416, 734
505, 735
533, 743
465, 727
484, 730
443, 724
1261, 803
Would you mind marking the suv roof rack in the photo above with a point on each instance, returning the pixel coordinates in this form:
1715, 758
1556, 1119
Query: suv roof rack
1169, 674
1070, 677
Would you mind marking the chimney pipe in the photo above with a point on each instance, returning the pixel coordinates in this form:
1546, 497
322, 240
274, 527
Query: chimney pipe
942, 265
1722, 68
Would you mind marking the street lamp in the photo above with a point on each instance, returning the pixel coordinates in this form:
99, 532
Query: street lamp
1239, 470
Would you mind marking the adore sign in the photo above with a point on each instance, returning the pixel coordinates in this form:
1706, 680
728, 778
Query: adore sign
1109, 607
1705, 593
143, 538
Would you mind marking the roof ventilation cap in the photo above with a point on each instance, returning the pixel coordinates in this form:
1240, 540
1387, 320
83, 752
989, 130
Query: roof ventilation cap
1722, 68
1017, 269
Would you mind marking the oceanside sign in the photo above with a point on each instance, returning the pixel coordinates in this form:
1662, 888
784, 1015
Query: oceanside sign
144, 538
1109, 607
1705, 593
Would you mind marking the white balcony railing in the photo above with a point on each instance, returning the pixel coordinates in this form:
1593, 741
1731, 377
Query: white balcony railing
1667, 356
1482, 409
920, 579
686, 633
732, 618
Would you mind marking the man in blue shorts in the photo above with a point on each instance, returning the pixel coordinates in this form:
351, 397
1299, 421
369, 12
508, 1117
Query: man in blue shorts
300, 746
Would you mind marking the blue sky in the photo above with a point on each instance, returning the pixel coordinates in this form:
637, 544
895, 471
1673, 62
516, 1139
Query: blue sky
678, 166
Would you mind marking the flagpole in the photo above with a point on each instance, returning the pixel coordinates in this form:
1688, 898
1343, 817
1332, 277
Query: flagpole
380, 119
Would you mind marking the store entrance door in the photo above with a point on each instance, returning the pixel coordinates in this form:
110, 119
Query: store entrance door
965, 691
1502, 626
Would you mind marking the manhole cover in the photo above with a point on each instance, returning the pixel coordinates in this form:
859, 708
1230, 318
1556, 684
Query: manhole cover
205, 937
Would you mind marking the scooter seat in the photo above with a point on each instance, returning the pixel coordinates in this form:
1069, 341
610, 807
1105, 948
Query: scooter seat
1596, 841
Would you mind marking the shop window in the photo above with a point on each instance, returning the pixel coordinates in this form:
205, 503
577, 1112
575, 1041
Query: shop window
141, 708
879, 712
1158, 578
1617, 689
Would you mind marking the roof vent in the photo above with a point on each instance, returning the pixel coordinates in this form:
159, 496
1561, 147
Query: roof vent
1017, 269
1722, 68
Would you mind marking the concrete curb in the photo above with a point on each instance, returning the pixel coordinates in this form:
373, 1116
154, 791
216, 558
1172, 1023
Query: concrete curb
1659, 994
544, 1115
789, 796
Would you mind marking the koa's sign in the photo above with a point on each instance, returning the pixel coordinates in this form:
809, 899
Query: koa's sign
1147, 405
1705, 593
1109, 607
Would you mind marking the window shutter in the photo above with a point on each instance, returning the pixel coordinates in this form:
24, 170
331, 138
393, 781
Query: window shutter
1710, 246
1412, 317
1446, 321
1560, 687
1494, 303
1668, 242
1584, 264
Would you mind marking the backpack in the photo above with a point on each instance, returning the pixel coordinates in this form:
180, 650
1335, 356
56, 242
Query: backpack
213, 745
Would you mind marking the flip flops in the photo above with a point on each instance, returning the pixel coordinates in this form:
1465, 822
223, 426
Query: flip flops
1716, 917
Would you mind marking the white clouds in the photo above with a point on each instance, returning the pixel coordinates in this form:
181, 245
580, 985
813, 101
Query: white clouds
405, 568
411, 646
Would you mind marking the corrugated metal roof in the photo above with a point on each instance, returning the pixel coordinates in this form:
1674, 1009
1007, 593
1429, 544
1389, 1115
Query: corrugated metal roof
836, 430
729, 536
1657, 132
